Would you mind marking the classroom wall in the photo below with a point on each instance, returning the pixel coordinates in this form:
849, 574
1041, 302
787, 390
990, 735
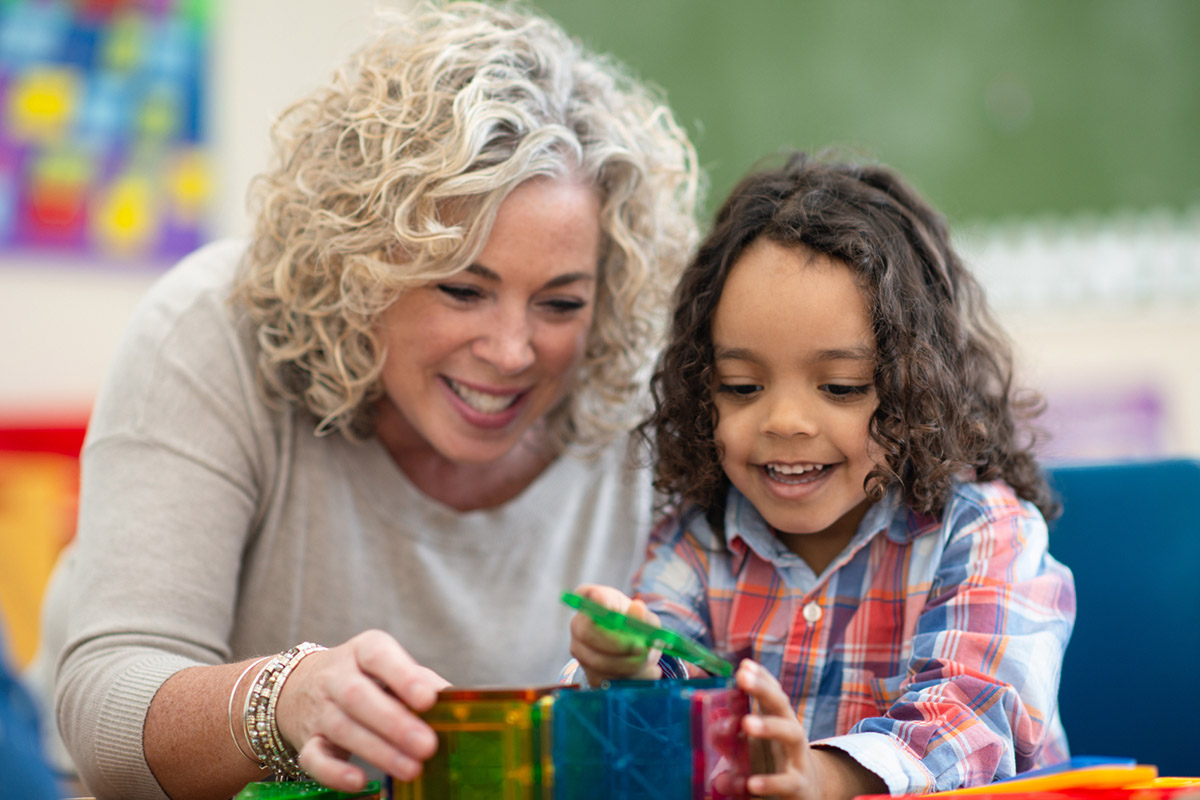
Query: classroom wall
61, 320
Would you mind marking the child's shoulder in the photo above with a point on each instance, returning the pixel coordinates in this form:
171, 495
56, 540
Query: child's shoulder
974, 503
686, 521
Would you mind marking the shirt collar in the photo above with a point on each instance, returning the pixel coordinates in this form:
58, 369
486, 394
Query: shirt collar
746, 531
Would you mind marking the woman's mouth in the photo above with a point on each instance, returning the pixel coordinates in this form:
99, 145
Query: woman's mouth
481, 401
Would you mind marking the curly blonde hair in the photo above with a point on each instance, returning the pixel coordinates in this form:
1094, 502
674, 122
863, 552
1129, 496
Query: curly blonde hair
391, 176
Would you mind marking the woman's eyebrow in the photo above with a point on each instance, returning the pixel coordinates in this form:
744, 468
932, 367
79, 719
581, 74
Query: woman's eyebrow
483, 272
558, 280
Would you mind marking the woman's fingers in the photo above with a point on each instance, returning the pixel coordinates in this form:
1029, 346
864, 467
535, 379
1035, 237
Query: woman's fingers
361, 698
329, 766
342, 735
381, 657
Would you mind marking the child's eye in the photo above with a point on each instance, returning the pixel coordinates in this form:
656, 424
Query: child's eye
845, 391
739, 389
460, 292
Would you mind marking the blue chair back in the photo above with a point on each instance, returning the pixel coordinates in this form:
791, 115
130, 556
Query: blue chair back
1130, 685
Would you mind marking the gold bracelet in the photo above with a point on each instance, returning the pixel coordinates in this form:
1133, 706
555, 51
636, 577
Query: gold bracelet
229, 713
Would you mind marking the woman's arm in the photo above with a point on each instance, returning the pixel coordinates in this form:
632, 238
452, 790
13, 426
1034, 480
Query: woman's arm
356, 698
182, 457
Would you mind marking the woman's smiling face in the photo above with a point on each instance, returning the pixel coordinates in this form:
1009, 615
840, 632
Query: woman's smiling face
794, 359
476, 360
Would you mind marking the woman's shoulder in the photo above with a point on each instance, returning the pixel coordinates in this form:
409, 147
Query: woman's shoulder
188, 302
183, 349
206, 272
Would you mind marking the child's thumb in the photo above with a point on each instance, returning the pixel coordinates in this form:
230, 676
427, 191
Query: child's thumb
639, 610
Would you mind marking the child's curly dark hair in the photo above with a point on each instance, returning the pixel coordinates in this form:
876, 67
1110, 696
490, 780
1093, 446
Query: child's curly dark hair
943, 376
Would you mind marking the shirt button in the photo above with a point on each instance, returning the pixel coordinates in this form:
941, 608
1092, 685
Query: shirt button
812, 612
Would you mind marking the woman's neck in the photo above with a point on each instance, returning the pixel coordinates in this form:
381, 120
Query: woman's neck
463, 487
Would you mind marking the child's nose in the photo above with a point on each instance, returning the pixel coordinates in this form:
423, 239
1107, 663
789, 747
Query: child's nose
790, 414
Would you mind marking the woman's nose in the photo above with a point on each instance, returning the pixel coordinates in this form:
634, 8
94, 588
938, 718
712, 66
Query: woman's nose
508, 344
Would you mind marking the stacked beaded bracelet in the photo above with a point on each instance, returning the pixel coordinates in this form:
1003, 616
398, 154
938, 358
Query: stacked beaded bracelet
258, 715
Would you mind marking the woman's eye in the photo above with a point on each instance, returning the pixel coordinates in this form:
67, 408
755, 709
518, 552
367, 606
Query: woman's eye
739, 389
565, 305
459, 292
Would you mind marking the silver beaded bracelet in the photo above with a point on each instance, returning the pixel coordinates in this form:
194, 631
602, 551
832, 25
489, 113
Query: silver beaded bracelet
258, 714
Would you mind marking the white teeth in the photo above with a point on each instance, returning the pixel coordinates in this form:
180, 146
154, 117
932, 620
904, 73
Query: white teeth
794, 469
793, 473
483, 402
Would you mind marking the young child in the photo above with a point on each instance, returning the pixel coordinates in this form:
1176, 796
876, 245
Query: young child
856, 517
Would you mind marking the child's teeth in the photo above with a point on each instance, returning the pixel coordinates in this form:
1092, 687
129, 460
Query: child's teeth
788, 469
789, 473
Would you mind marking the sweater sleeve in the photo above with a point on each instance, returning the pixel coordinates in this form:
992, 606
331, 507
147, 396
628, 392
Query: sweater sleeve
170, 481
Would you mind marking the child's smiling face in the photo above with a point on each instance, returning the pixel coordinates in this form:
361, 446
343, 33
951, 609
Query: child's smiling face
794, 358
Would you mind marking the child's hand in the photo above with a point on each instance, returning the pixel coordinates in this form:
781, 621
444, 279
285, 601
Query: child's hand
605, 655
800, 771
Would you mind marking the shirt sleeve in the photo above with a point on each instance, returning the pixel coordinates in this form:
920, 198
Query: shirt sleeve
673, 582
979, 696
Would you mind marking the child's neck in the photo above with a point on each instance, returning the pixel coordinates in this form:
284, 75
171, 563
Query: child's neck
820, 548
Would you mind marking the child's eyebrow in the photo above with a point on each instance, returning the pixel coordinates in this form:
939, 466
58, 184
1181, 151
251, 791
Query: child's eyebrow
846, 354
832, 354
735, 354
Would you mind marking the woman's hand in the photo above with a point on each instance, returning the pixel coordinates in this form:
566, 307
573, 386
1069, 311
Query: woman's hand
800, 771
360, 698
605, 655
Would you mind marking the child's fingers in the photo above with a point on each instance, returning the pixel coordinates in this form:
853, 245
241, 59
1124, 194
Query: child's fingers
756, 681
590, 635
606, 596
780, 784
640, 611
781, 730
627, 665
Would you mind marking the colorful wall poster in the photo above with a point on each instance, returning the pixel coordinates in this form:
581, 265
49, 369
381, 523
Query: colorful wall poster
102, 127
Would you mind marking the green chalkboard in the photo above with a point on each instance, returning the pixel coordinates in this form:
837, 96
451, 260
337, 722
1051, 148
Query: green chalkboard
993, 108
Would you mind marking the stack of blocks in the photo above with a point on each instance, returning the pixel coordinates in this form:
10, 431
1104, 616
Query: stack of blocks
633, 740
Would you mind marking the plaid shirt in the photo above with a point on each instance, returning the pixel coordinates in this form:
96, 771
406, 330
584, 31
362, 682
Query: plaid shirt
929, 650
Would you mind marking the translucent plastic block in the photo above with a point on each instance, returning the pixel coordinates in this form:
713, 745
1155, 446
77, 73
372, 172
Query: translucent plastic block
631, 740
490, 745
720, 749
302, 790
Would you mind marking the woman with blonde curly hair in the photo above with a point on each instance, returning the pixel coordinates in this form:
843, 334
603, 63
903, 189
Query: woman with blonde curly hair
395, 423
